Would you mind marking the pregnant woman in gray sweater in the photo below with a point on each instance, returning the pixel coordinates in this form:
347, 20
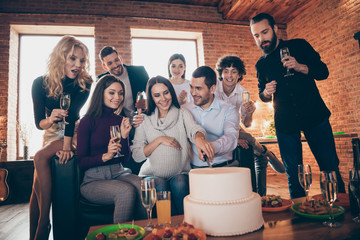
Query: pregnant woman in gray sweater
162, 139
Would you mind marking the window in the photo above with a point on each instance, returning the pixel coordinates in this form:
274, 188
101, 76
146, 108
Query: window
33, 54
153, 48
154, 55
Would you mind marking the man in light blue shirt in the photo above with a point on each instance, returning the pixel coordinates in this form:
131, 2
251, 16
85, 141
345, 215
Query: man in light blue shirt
219, 119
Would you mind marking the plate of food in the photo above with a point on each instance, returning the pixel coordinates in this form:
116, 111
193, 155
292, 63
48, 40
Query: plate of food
342, 199
274, 203
118, 232
316, 209
180, 232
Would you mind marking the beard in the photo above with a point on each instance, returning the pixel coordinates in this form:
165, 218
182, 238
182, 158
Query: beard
120, 72
271, 47
202, 101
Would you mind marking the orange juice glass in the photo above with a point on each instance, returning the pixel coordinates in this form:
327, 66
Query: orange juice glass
163, 207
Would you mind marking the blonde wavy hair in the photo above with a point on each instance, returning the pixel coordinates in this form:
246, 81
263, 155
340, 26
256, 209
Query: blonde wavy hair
56, 66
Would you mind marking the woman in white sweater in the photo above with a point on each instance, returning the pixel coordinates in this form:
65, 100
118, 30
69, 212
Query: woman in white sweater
162, 139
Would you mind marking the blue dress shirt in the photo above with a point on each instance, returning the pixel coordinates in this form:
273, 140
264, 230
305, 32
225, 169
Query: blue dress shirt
221, 123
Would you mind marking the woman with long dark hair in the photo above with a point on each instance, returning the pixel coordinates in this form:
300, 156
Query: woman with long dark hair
106, 181
177, 70
162, 139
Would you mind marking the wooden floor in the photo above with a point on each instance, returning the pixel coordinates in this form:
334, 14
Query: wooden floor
14, 219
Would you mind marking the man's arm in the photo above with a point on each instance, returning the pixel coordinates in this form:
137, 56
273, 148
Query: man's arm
316, 68
228, 142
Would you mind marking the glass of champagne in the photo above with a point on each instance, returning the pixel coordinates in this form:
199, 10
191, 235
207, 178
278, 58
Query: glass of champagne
148, 198
328, 185
246, 97
65, 103
116, 132
140, 104
284, 52
354, 182
305, 178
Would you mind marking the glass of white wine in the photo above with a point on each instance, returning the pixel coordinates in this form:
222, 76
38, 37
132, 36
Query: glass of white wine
116, 132
354, 182
148, 198
246, 97
65, 105
328, 185
305, 178
284, 52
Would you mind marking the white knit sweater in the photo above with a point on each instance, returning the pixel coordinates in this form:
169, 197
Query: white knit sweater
165, 161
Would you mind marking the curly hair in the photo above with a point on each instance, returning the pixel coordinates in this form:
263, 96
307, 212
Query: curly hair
230, 61
56, 66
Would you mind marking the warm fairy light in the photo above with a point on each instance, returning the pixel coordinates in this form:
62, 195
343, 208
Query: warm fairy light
264, 126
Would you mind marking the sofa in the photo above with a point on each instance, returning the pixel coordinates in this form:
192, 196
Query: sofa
73, 215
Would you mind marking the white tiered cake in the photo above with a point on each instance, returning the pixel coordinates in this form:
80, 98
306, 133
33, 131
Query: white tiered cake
221, 202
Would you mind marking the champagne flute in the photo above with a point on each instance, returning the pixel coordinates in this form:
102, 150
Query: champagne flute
354, 182
246, 97
148, 198
305, 178
116, 132
328, 185
65, 105
284, 52
140, 104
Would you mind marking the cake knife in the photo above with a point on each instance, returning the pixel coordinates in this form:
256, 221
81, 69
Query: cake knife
207, 160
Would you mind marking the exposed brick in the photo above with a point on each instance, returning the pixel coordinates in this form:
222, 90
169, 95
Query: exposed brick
328, 25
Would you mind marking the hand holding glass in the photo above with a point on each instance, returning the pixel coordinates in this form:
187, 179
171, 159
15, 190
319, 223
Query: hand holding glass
354, 182
148, 198
305, 178
246, 97
284, 52
65, 103
328, 185
140, 104
115, 132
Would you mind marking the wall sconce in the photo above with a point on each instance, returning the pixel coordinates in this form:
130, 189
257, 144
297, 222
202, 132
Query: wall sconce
357, 37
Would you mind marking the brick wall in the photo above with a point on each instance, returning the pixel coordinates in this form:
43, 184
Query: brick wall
327, 25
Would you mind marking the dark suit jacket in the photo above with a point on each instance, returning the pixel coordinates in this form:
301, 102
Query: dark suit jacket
138, 79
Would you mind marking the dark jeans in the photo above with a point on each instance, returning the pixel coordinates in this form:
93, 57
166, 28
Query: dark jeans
260, 169
321, 142
178, 185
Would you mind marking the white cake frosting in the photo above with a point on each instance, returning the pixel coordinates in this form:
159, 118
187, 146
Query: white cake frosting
221, 202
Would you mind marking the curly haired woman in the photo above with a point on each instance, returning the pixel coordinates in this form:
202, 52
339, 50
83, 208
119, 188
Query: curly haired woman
68, 67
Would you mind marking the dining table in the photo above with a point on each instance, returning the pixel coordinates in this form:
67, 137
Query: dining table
282, 225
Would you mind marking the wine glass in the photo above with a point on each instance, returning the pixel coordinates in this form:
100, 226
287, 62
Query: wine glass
140, 104
116, 132
65, 105
284, 52
246, 97
305, 178
328, 185
148, 198
354, 182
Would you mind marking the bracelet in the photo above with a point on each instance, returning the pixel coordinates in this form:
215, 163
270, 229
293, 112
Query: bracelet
266, 93
50, 120
66, 150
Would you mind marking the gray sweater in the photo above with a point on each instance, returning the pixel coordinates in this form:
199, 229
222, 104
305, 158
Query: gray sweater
165, 161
